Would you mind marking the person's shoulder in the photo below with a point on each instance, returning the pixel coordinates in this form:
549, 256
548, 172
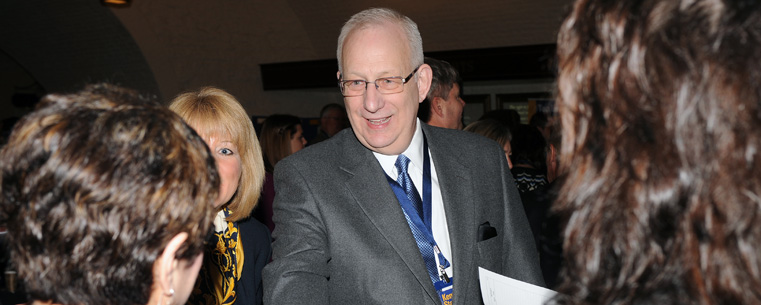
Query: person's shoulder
255, 232
323, 152
458, 138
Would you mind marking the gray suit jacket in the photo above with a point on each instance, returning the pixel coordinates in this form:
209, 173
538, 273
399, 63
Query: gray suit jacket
341, 236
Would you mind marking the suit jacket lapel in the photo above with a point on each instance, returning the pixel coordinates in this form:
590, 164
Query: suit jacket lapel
456, 192
368, 185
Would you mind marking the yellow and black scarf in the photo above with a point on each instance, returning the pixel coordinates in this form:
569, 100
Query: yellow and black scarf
223, 262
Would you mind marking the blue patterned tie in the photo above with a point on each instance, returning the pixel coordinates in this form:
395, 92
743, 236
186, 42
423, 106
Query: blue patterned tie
404, 180
426, 248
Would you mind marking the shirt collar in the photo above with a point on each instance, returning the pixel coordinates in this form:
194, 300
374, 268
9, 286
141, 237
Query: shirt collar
414, 152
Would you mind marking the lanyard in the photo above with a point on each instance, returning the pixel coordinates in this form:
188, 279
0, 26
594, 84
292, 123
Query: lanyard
422, 222
426, 188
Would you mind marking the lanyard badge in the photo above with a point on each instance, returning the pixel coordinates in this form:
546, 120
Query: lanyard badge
445, 292
444, 284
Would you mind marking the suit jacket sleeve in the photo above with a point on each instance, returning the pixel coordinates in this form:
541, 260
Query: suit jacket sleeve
300, 256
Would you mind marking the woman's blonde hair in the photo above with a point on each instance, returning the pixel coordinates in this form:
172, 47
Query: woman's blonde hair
212, 111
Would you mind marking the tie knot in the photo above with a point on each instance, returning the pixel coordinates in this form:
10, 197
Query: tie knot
402, 162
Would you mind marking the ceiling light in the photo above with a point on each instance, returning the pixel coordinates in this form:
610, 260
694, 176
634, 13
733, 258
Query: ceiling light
116, 3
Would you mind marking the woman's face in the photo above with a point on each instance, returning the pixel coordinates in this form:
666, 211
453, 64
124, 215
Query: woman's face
297, 139
227, 155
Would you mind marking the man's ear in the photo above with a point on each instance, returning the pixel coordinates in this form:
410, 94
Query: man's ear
424, 76
167, 264
338, 75
437, 105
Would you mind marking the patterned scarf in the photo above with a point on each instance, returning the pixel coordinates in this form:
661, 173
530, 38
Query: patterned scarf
223, 262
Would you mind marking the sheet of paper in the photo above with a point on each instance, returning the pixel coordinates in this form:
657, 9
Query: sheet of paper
497, 289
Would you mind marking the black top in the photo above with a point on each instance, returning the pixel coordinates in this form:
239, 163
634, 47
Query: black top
258, 249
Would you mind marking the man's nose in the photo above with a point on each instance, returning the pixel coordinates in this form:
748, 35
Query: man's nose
373, 100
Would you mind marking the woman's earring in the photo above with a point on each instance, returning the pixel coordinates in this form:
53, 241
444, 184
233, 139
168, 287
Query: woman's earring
169, 293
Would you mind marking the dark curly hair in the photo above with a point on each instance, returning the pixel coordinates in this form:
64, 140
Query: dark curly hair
661, 111
94, 185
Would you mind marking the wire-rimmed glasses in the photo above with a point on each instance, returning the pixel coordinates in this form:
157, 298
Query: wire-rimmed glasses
385, 85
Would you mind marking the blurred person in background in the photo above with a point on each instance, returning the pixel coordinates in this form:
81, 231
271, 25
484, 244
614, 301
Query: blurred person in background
281, 136
530, 173
510, 117
529, 159
443, 105
543, 123
332, 120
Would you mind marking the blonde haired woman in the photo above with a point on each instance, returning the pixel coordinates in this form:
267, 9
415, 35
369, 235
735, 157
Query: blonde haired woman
240, 245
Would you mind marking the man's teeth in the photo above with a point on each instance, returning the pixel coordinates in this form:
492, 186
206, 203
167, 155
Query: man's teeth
379, 121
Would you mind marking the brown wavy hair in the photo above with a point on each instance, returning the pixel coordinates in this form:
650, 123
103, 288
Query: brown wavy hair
661, 112
94, 185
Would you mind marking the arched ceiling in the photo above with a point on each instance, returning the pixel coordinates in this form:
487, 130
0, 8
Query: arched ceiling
65, 44
444, 24
170, 46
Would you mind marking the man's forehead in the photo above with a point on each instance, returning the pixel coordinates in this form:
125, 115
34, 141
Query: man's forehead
382, 46
386, 30
377, 25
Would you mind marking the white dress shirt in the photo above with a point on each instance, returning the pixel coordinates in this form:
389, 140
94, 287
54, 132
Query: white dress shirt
438, 217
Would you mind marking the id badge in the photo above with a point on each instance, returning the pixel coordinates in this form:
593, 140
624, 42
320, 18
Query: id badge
446, 293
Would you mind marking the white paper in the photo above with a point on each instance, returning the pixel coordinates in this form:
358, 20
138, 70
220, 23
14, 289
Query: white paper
497, 289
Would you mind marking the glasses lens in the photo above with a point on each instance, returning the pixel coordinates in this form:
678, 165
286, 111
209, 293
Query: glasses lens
384, 85
353, 87
389, 85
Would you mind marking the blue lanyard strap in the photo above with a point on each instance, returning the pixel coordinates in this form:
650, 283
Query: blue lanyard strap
422, 224
427, 187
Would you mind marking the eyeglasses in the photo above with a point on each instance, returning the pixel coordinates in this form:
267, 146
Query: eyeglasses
385, 85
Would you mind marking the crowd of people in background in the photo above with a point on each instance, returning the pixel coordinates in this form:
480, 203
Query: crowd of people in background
640, 188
